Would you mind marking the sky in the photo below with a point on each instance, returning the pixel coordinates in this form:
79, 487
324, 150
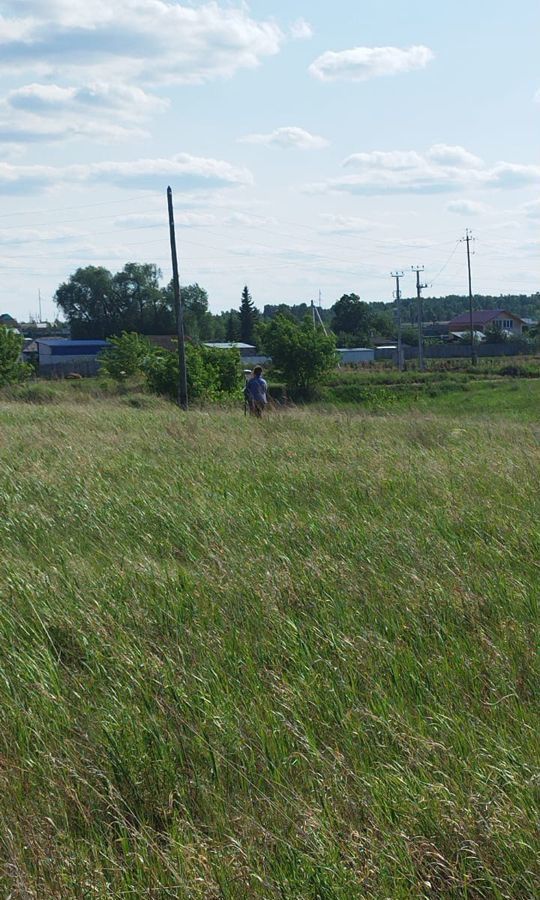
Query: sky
311, 146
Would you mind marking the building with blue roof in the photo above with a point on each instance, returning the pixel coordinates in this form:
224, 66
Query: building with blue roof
58, 357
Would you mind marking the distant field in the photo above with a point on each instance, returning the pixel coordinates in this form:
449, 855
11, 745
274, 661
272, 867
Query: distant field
447, 385
288, 659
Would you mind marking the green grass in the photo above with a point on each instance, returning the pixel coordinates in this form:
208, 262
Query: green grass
288, 659
511, 398
477, 391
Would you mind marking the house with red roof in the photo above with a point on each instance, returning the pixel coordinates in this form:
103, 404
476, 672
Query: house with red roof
486, 319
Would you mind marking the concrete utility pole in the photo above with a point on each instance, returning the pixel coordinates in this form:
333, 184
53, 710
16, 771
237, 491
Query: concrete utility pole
420, 315
467, 239
398, 276
179, 310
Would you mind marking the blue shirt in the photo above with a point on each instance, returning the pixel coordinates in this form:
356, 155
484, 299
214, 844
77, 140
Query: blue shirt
257, 389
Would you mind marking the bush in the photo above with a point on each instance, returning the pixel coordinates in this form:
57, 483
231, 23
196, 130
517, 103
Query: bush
226, 364
12, 370
125, 355
523, 370
302, 353
211, 373
36, 393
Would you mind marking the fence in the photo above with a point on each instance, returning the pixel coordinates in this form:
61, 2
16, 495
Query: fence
459, 351
60, 369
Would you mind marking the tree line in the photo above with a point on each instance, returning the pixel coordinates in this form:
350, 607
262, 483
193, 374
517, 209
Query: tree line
97, 304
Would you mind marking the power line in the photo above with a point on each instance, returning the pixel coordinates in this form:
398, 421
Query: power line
33, 212
448, 261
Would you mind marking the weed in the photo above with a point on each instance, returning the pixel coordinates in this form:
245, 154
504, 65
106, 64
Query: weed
282, 659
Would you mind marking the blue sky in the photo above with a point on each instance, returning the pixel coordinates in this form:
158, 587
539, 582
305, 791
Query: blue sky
310, 146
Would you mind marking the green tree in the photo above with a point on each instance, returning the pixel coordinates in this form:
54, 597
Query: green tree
11, 367
302, 353
125, 355
352, 317
197, 320
232, 332
409, 335
248, 317
296, 312
382, 323
98, 304
141, 304
88, 303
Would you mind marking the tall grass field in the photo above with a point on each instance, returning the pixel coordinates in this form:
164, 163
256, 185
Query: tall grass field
289, 658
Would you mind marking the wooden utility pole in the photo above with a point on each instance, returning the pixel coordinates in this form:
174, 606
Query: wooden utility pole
420, 316
398, 276
467, 239
179, 311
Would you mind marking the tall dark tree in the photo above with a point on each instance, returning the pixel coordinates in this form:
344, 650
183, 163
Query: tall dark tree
352, 318
248, 317
232, 332
141, 301
88, 303
195, 300
97, 304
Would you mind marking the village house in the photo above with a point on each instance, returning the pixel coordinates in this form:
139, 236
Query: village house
485, 319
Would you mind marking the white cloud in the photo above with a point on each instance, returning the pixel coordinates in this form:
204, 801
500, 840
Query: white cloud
155, 40
454, 157
513, 175
52, 99
466, 207
441, 169
337, 224
532, 210
39, 113
25, 236
287, 138
152, 220
244, 219
90, 62
363, 63
34, 131
399, 160
184, 172
301, 30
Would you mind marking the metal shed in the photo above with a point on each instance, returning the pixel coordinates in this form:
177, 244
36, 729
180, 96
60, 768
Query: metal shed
354, 356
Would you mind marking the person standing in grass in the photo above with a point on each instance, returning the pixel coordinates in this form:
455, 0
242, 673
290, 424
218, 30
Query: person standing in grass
257, 392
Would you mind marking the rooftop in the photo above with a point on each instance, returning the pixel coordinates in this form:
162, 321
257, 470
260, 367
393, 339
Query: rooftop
482, 317
229, 345
66, 342
462, 335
